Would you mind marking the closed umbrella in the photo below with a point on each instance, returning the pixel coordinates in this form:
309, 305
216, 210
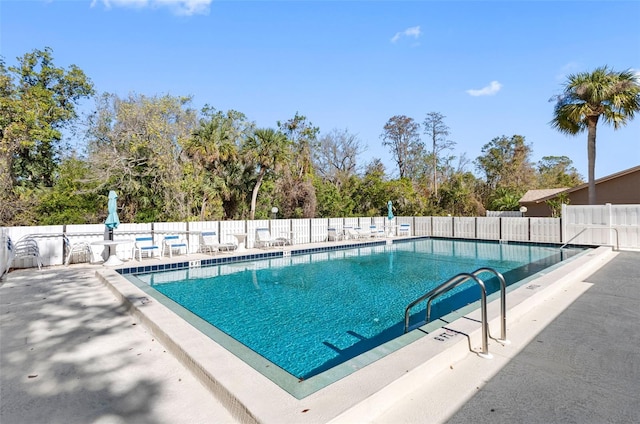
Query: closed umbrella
112, 219
389, 217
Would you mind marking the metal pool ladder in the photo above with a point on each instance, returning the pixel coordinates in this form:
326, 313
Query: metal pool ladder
455, 282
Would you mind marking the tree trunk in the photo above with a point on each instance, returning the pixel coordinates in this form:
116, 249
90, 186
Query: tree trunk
254, 194
591, 155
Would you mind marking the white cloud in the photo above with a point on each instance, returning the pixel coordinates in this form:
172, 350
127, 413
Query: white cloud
409, 32
179, 7
489, 90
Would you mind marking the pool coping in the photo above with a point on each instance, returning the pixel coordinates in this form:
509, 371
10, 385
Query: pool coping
252, 397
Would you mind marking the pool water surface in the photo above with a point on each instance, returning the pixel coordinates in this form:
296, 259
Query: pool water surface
310, 312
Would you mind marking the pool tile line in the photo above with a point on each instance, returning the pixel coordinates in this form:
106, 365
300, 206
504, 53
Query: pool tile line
143, 269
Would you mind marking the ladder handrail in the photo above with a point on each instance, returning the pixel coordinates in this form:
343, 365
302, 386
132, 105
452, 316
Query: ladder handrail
503, 301
457, 280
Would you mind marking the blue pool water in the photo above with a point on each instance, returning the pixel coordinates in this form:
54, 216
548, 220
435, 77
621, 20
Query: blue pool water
308, 313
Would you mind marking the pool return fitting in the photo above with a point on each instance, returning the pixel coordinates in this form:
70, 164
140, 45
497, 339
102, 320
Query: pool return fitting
455, 282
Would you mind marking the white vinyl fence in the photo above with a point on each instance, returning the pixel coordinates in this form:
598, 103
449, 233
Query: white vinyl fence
615, 225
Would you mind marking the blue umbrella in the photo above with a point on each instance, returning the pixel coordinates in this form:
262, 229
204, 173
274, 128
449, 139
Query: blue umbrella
389, 210
112, 219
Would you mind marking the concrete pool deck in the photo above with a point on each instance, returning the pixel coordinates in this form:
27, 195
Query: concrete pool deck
72, 352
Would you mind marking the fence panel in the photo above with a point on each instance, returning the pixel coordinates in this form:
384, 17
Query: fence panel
442, 226
228, 228
464, 227
588, 224
319, 228
515, 229
280, 228
488, 228
301, 229
545, 230
422, 225
626, 221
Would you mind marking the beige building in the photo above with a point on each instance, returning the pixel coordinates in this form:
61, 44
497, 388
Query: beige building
621, 188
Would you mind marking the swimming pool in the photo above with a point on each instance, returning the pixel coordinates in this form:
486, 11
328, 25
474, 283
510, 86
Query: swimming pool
310, 312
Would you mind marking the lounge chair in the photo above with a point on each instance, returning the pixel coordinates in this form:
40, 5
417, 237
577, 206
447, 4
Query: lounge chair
264, 239
334, 235
376, 232
174, 243
145, 245
404, 230
209, 243
355, 233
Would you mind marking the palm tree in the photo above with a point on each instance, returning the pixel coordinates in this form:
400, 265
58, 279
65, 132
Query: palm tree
614, 96
269, 149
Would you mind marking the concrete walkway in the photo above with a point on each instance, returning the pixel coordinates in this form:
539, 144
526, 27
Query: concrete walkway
579, 362
70, 353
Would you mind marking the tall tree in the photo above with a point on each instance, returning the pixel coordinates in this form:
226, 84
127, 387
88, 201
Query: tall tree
336, 156
401, 135
295, 191
215, 149
614, 96
136, 146
556, 172
268, 149
37, 101
437, 132
506, 163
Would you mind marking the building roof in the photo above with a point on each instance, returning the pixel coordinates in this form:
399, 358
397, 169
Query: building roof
538, 197
535, 195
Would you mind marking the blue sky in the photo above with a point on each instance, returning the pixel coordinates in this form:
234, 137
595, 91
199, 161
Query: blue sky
489, 67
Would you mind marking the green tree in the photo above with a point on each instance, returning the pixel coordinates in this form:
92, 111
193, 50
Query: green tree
219, 175
505, 199
555, 204
506, 164
268, 149
37, 102
587, 97
295, 192
136, 148
73, 199
557, 172
457, 195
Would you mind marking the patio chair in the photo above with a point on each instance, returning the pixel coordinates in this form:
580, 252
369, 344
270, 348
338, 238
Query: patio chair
27, 247
209, 243
404, 230
81, 251
355, 233
264, 239
174, 243
144, 245
376, 232
334, 235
